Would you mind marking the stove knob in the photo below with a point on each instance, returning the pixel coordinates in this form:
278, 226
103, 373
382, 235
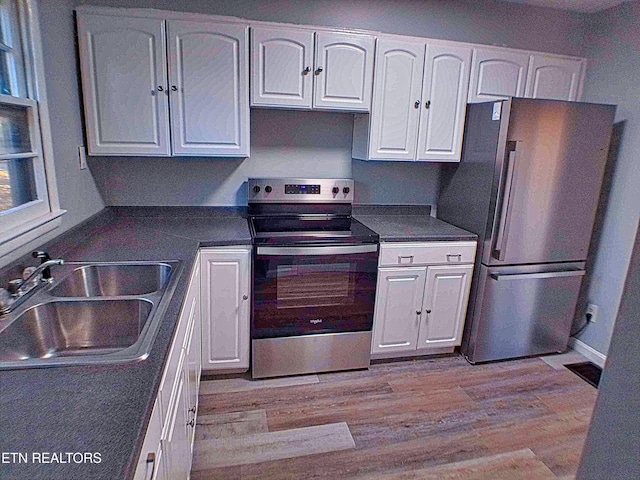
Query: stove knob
335, 190
256, 189
346, 190
268, 189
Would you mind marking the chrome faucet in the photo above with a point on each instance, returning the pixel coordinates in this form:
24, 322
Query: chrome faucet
23, 289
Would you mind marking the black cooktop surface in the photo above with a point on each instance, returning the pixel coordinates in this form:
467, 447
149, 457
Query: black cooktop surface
307, 229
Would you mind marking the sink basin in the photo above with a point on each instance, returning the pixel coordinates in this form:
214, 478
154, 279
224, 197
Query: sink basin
112, 280
98, 313
72, 328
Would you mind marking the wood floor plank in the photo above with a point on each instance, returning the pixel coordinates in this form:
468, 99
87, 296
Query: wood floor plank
292, 395
578, 398
545, 381
518, 465
367, 462
537, 432
263, 447
465, 376
352, 408
245, 383
234, 424
562, 458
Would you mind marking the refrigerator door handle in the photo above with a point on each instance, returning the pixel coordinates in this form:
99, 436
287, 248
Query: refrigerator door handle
503, 227
529, 276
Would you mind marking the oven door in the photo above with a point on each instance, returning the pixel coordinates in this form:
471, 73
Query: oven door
311, 290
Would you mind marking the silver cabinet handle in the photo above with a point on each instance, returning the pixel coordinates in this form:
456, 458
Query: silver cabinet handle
405, 257
533, 276
306, 71
245, 297
418, 312
174, 88
160, 88
191, 422
417, 104
318, 71
428, 312
451, 256
337, 250
151, 463
427, 104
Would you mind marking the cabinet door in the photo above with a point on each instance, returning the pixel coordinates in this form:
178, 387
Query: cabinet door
398, 303
444, 102
124, 82
209, 88
445, 305
151, 458
176, 442
225, 309
396, 100
497, 74
281, 67
343, 71
555, 78
193, 363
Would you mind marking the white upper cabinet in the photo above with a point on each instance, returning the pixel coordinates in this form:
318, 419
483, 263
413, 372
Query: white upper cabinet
285, 72
554, 77
343, 71
396, 100
124, 84
497, 74
130, 80
208, 92
281, 67
444, 102
419, 103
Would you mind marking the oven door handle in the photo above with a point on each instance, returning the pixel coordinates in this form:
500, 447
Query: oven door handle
326, 250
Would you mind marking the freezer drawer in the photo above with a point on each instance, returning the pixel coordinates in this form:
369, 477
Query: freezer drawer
521, 311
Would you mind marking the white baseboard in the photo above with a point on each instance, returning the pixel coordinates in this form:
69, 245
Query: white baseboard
588, 352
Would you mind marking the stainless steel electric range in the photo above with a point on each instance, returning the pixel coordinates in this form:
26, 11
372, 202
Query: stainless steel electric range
314, 277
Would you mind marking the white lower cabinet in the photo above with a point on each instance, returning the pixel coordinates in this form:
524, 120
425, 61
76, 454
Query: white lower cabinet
167, 449
226, 274
421, 297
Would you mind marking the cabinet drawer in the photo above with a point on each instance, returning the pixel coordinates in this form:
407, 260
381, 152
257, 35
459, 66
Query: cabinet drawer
427, 253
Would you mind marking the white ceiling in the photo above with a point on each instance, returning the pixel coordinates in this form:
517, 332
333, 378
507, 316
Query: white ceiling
584, 6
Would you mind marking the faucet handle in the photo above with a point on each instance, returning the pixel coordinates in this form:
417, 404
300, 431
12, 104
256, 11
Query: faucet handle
14, 285
42, 255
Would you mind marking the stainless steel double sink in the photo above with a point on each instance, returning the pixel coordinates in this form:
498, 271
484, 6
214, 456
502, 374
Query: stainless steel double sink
94, 313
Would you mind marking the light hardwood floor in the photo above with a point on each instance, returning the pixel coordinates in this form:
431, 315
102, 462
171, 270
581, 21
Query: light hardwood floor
437, 418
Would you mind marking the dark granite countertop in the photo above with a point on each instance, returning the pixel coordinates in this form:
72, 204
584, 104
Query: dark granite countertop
408, 224
106, 409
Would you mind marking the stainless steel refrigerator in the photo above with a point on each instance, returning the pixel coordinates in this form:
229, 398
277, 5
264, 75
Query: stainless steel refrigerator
528, 185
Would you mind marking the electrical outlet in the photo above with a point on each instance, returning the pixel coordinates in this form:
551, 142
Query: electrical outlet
591, 310
82, 155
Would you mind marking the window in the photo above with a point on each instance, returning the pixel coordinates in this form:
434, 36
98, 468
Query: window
28, 197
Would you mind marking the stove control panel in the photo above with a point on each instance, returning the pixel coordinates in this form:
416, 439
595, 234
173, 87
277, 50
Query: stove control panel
300, 190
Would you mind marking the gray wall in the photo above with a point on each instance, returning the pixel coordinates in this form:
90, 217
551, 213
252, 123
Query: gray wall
613, 53
611, 448
311, 144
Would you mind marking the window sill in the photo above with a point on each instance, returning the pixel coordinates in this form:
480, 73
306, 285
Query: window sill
26, 232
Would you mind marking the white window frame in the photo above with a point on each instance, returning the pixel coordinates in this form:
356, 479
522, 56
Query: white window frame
30, 221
